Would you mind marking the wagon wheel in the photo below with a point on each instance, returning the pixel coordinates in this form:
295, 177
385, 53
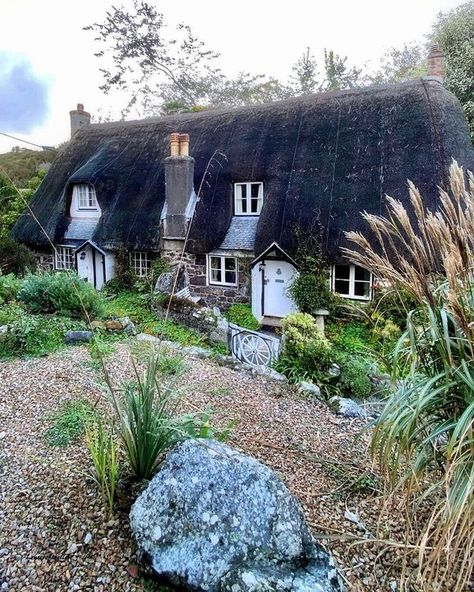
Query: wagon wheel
255, 350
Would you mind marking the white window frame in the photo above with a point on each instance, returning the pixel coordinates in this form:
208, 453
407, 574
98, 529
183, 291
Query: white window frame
222, 269
248, 199
64, 258
86, 197
352, 282
140, 263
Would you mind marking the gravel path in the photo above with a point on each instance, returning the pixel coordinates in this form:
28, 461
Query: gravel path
54, 533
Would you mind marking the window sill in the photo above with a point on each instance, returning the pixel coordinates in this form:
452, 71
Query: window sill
348, 297
210, 285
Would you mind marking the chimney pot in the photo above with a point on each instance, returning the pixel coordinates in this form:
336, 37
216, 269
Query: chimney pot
436, 66
184, 144
174, 144
80, 107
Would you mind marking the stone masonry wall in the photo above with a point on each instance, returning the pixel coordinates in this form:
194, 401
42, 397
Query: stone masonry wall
221, 296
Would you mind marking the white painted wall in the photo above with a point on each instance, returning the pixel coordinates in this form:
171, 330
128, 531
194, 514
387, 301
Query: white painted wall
75, 212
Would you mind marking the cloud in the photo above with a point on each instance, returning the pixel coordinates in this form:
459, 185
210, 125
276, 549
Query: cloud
23, 95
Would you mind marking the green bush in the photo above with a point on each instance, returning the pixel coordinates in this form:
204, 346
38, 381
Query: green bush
310, 290
9, 286
241, 314
307, 353
354, 381
31, 335
16, 258
62, 293
351, 337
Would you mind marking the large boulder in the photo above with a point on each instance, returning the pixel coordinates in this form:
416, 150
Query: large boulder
215, 519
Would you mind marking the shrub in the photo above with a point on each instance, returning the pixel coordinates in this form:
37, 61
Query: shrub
9, 286
62, 293
104, 455
31, 335
310, 290
16, 258
306, 353
354, 380
241, 314
349, 336
170, 364
69, 422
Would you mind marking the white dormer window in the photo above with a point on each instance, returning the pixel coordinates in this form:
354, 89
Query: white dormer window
352, 281
86, 198
248, 198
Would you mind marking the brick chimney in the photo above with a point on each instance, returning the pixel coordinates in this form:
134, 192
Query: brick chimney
79, 118
436, 66
180, 198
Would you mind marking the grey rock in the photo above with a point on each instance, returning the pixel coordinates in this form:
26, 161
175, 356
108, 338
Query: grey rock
128, 326
334, 371
78, 337
214, 519
347, 407
309, 388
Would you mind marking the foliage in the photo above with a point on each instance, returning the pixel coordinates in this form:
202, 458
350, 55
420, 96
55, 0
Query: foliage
424, 437
400, 64
69, 422
20, 165
351, 337
100, 349
307, 353
174, 72
454, 32
241, 314
103, 451
353, 381
126, 280
31, 335
198, 425
63, 293
16, 258
169, 364
9, 286
148, 420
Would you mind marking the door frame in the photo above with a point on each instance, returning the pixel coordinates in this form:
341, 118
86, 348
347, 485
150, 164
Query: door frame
257, 269
94, 249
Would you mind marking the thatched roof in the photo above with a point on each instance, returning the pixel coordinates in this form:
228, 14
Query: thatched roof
323, 158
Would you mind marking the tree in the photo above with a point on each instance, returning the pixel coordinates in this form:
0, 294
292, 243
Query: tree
337, 75
454, 31
154, 67
305, 74
398, 65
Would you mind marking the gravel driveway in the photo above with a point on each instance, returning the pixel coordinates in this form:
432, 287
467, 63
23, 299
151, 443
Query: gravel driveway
54, 533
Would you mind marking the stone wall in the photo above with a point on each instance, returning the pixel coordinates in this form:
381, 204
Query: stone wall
45, 260
196, 278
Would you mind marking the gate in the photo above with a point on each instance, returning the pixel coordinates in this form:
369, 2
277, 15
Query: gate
253, 347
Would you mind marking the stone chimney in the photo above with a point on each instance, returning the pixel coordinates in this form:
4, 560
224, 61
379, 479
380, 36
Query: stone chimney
180, 198
79, 118
436, 67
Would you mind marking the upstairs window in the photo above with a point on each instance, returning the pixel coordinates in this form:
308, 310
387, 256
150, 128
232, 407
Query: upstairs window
248, 199
140, 262
352, 281
222, 271
64, 258
86, 198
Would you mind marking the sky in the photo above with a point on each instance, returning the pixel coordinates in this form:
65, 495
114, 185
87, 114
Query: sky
47, 62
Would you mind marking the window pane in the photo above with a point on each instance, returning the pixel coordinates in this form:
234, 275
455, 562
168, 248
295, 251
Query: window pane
230, 277
243, 206
243, 191
254, 206
215, 262
362, 289
229, 263
215, 275
362, 274
255, 189
342, 272
341, 286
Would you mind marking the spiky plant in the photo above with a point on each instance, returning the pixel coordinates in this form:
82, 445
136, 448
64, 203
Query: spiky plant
424, 439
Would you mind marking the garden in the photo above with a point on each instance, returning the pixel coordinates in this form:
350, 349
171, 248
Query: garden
86, 427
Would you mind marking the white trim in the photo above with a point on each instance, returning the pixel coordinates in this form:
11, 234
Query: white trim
238, 199
64, 257
86, 193
351, 281
140, 263
221, 269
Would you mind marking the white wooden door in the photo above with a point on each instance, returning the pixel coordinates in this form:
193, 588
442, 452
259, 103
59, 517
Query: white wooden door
85, 265
277, 278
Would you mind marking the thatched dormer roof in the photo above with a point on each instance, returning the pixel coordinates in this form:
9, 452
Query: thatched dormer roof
323, 158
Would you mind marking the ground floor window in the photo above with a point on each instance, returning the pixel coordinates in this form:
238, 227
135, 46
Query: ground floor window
140, 262
64, 258
222, 270
352, 281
